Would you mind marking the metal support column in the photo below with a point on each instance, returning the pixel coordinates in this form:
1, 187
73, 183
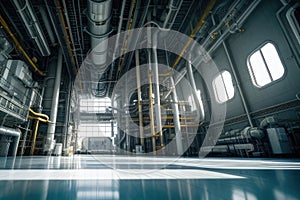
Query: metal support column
138, 83
54, 108
176, 119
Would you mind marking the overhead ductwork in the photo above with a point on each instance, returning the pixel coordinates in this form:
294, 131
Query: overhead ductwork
99, 15
33, 27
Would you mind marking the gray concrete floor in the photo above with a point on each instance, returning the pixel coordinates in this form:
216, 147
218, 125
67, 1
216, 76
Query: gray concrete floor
122, 177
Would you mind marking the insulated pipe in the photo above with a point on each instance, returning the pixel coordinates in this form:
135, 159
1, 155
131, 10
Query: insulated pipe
16, 133
99, 14
176, 119
55, 98
47, 25
37, 35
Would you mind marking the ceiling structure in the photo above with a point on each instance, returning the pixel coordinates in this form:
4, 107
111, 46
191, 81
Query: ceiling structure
43, 26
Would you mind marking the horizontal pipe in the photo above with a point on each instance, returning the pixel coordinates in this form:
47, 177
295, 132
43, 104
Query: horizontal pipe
47, 25
38, 36
16, 133
9, 131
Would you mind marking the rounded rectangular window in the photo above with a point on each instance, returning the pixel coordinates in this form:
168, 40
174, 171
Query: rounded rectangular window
265, 66
223, 87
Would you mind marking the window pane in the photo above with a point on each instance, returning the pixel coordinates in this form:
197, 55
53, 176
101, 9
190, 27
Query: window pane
273, 61
260, 72
228, 84
265, 65
223, 87
219, 89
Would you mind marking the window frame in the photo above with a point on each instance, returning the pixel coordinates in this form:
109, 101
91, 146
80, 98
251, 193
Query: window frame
250, 69
215, 91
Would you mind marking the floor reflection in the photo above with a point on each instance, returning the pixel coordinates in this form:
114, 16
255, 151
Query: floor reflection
179, 181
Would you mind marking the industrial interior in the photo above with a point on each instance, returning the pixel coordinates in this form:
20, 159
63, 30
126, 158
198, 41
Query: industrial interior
131, 99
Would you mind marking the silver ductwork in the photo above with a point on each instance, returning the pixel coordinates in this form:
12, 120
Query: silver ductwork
33, 27
99, 15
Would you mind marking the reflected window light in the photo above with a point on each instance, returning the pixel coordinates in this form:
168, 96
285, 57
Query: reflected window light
240, 194
265, 66
223, 87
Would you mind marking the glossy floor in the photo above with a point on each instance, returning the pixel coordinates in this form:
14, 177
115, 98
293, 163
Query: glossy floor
121, 177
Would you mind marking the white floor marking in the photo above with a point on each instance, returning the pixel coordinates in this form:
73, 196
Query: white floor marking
109, 174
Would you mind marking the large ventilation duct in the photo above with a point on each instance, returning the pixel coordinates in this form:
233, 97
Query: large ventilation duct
32, 26
8, 135
99, 14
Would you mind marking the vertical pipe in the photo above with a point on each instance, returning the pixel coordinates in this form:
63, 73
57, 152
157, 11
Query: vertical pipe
127, 115
138, 83
112, 128
200, 111
156, 90
54, 107
238, 83
16, 141
151, 113
176, 119
67, 110
34, 137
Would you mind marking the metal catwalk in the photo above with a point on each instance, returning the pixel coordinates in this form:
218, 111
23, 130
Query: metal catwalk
121, 177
